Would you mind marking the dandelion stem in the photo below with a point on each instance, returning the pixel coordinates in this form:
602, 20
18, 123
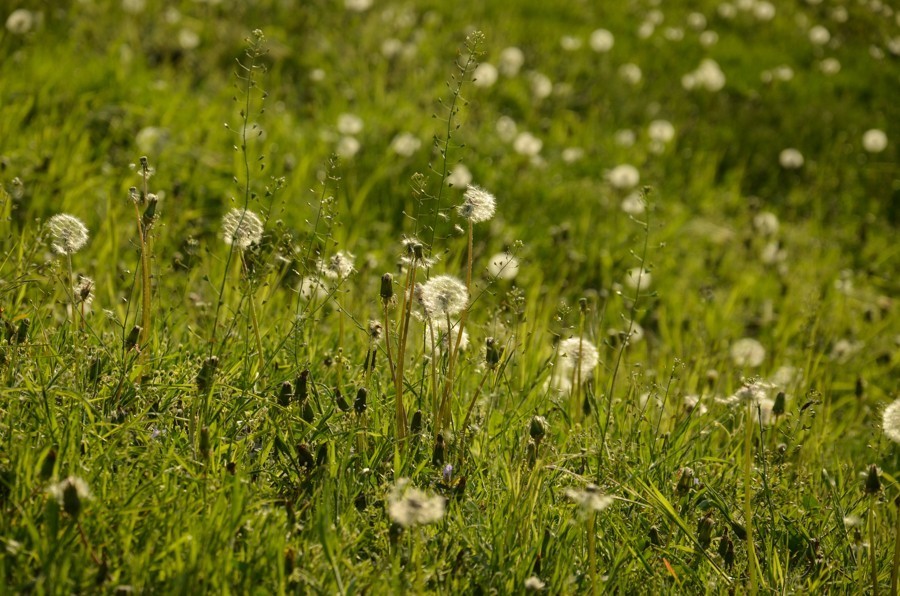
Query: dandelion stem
896, 565
748, 508
873, 560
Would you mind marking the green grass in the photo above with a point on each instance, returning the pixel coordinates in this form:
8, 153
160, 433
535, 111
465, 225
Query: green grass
213, 481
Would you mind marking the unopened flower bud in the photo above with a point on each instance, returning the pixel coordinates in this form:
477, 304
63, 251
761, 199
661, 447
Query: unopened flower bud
873, 483
387, 287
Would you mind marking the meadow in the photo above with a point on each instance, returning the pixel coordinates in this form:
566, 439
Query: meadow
347, 296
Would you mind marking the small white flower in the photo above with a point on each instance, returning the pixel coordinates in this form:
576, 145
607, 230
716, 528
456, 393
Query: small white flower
602, 41
69, 234
242, 228
748, 352
409, 506
874, 141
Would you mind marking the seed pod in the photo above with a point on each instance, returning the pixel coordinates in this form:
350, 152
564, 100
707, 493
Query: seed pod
207, 374
415, 425
726, 549
302, 386
437, 455
778, 407
341, 401
359, 404
873, 483
204, 446
284, 396
131, 342
704, 530
538, 428
387, 287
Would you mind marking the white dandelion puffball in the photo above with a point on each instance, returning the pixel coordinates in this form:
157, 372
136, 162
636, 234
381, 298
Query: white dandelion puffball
20, 21
590, 499
891, 421
631, 73
790, 159
748, 352
72, 484
409, 506
874, 141
478, 204
358, 5
819, 35
638, 278
766, 223
633, 204
506, 129
601, 41
405, 144
527, 144
347, 147
625, 137
459, 176
503, 266
541, 85
578, 352
349, 124
444, 295
485, 75
511, 61
570, 43
68, 234
830, 66
241, 228
661, 130
624, 177
710, 75
339, 266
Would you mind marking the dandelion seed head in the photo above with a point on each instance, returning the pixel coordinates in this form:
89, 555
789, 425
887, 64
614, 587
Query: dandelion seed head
790, 159
460, 176
534, 584
589, 499
661, 130
891, 421
634, 204
478, 204
83, 291
503, 266
819, 35
511, 61
443, 296
623, 177
20, 21
747, 352
68, 234
241, 228
339, 266
485, 75
405, 144
638, 278
349, 124
409, 506
601, 41
874, 141
527, 144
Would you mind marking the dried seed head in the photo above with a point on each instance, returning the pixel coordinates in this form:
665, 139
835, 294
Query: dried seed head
538, 428
285, 395
69, 234
437, 455
241, 228
415, 425
873, 482
207, 374
71, 494
387, 287
778, 407
492, 352
359, 404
